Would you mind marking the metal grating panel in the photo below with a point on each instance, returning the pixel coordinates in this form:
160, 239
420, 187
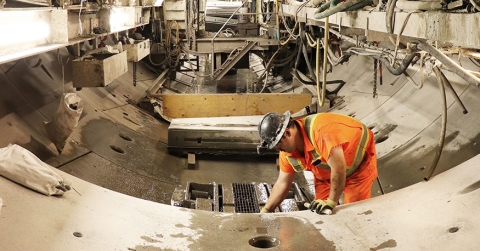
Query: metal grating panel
245, 198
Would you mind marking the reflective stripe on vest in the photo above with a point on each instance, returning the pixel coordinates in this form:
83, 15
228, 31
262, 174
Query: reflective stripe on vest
359, 153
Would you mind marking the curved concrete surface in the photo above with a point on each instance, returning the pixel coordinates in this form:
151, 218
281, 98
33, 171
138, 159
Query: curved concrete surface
434, 215
406, 121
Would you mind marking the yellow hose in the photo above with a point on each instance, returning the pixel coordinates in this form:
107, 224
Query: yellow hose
291, 35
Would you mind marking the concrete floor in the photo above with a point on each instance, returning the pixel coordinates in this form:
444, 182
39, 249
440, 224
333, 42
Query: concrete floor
146, 169
407, 121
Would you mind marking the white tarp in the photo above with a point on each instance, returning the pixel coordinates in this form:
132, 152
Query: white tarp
20, 165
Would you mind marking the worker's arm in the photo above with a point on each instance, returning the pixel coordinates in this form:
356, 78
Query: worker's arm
280, 190
338, 167
337, 164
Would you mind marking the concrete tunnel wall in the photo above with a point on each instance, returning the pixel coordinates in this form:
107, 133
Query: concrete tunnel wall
110, 221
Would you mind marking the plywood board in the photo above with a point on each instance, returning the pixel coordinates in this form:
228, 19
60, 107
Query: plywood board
221, 105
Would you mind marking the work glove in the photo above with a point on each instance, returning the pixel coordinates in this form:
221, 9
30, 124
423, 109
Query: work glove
265, 210
319, 206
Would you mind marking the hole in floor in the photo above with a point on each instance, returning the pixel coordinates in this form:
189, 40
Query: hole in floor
453, 230
264, 242
117, 149
125, 137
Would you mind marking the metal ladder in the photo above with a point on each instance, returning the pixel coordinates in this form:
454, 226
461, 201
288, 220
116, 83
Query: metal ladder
232, 60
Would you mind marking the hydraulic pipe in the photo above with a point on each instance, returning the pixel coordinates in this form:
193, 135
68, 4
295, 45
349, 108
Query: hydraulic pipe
438, 153
454, 67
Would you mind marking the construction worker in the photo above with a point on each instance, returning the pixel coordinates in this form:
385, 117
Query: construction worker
339, 150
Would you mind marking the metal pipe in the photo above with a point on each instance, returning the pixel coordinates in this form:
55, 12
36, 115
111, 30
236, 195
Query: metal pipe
454, 67
438, 153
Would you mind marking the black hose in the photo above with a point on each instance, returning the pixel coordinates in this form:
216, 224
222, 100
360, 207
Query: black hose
329, 82
400, 69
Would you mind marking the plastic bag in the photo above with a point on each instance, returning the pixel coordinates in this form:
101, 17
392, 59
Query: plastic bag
64, 120
20, 165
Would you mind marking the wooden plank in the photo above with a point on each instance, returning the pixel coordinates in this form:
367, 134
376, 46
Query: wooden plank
222, 105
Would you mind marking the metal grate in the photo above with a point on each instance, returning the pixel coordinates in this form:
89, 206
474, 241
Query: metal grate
245, 198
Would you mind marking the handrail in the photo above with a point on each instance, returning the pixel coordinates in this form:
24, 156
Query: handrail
218, 32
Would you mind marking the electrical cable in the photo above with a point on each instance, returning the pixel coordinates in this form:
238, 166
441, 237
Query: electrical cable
267, 69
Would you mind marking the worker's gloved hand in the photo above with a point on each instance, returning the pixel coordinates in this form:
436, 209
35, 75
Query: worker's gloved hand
319, 206
265, 210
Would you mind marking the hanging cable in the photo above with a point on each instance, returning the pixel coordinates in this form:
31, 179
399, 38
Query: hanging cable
267, 69
290, 36
453, 92
438, 153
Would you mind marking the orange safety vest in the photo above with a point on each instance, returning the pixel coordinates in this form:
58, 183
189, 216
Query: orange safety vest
308, 123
